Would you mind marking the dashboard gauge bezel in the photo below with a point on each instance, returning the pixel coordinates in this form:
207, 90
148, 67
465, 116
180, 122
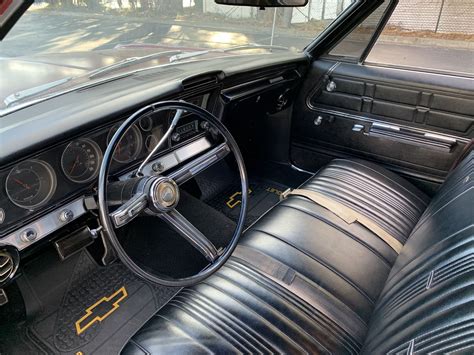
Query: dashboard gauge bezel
149, 123
139, 142
51, 179
150, 146
97, 155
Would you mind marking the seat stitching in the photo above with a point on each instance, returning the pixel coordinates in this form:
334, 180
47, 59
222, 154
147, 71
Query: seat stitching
425, 252
249, 333
373, 181
226, 318
347, 233
400, 318
392, 294
181, 305
387, 177
425, 218
464, 327
177, 325
374, 195
250, 270
267, 304
139, 346
302, 306
264, 321
316, 259
378, 215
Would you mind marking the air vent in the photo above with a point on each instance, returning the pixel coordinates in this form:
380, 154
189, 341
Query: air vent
200, 81
9, 260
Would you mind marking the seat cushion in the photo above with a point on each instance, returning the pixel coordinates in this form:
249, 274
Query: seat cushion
301, 278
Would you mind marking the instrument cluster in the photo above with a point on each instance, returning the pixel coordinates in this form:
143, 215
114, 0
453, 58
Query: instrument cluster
64, 171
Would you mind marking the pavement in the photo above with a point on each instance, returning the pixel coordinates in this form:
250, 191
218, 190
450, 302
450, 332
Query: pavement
43, 31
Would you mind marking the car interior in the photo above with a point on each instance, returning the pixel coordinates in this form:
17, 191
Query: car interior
283, 203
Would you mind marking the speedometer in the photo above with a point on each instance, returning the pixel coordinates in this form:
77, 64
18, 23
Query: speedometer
31, 184
130, 145
81, 160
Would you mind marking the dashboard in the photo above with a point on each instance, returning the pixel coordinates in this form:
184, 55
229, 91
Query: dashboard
47, 190
51, 152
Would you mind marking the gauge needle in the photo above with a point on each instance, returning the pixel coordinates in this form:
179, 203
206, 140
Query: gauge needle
19, 182
74, 164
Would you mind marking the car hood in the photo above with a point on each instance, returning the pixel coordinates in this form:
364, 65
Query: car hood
22, 73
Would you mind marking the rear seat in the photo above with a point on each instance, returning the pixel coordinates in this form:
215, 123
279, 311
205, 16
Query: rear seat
303, 280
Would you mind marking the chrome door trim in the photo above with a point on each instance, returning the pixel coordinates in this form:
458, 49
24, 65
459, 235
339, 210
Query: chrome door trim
444, 136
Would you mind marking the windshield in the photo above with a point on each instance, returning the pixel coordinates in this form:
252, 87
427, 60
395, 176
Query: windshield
57, 41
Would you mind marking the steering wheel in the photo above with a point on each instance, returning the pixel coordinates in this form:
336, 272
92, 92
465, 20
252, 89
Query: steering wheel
158, 195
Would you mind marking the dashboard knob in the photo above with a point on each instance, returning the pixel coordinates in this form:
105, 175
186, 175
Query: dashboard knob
158, 167
205, 125
66, 216
28, 235
176, 137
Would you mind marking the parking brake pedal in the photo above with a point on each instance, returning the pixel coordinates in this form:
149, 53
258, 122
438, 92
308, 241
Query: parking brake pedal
73, 243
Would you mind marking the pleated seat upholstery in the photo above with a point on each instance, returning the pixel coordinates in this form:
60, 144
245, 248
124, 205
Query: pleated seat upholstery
385, 197
303, 280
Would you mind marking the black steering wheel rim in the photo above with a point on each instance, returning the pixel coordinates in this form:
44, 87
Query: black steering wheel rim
104, 213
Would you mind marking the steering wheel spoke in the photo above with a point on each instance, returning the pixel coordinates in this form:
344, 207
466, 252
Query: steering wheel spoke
129, 210
200, 164
189, 232
159, 194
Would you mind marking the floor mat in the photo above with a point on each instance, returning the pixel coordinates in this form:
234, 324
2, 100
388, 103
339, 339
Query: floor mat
263, 195
220, 188
76, 306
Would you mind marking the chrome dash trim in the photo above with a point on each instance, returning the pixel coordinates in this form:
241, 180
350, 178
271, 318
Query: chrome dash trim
45, 225
174, 158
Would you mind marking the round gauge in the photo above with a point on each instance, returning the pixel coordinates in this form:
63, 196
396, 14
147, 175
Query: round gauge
129, 146
150, 142
146, 123
31, 184
81, 160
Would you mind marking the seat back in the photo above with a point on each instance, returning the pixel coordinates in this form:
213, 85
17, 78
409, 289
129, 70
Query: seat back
427, 303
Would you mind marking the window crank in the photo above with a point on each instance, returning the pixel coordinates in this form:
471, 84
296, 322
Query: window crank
319, 119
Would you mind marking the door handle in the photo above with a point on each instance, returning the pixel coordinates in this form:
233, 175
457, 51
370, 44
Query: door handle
413, 137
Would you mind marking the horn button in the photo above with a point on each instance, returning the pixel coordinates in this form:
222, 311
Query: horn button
164, 193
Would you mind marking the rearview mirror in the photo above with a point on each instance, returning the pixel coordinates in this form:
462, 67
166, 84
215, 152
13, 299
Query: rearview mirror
264, 3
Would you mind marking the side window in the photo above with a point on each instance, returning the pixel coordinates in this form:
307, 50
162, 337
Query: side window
354, 44
436, 35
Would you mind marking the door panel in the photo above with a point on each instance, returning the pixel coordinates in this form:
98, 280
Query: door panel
415, 123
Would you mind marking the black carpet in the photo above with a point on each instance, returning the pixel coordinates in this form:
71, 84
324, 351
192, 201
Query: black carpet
156, 247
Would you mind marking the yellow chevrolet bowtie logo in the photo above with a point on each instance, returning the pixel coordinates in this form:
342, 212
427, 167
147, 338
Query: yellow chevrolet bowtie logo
234, 200
101, 310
